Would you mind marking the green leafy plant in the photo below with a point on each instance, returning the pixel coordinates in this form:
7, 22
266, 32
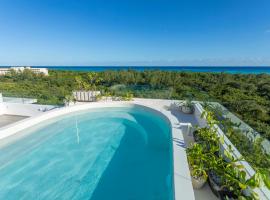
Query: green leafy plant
187, 103
249, 147
246, 95
196, 160
127, 97
69, 99
222, 166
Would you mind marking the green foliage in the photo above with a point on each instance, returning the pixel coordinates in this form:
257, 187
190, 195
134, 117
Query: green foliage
196, 160
127, 97
251, 151
186, 103
247, 95
69, 99
207, 156
250, 148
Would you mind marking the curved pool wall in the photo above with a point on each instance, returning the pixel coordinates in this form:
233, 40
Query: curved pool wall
122, 152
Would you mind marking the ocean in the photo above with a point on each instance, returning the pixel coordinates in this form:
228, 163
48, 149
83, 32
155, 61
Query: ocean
233, 70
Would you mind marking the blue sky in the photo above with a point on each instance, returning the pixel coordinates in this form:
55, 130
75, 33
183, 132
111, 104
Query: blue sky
134, 32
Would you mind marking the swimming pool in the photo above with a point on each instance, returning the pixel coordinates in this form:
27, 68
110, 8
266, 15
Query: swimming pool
106, 153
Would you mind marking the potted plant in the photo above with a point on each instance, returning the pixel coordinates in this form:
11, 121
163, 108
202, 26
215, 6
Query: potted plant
226, 175
69, 100
187, 106
232, 182
217, 183
98, 97
196, 160
127, 97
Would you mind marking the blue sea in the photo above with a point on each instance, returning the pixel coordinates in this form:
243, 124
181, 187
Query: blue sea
233, 70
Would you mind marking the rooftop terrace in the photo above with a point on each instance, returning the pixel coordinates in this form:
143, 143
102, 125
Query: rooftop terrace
182, 134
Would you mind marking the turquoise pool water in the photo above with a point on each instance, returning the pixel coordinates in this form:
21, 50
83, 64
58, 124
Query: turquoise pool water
110, 153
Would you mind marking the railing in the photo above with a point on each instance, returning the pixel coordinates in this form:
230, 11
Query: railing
244, 128
19, 100
11, 97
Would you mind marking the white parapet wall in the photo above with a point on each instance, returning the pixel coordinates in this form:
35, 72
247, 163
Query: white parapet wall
2, 109
198, 111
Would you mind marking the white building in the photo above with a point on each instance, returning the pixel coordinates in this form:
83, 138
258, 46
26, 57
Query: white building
44, 71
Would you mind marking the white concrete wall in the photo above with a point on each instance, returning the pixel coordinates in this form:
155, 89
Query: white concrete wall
2, 108
198, 110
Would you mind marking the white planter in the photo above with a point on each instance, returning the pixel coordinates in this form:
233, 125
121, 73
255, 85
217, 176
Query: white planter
187, 109
198, 183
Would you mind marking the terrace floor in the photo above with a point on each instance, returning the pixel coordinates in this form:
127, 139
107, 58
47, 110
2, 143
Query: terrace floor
205, 193
9, 119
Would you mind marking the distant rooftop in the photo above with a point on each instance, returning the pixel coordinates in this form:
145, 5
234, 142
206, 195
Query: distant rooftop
6, 70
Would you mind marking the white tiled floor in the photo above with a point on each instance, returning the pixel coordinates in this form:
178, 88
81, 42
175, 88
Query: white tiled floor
205, 193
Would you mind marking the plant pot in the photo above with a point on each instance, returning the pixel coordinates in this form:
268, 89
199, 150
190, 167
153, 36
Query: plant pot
198, 183
187, 109
69, 103
196, 137
215, 183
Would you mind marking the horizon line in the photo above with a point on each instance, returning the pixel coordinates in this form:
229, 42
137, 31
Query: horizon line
134, 65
